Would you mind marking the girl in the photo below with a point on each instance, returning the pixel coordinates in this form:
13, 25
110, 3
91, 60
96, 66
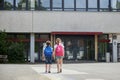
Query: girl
59, 54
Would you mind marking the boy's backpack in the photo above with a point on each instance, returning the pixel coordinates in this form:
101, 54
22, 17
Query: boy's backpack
48, 51
59, 51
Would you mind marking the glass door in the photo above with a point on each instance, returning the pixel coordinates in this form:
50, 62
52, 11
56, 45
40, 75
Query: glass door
103, 44
102, 50
89, 49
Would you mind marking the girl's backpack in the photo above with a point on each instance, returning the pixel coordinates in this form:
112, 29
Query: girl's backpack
59, 51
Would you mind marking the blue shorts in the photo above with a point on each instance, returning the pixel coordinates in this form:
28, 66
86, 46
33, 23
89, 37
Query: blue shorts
48, 59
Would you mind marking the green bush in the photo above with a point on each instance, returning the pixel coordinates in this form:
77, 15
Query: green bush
3, 42
16, 53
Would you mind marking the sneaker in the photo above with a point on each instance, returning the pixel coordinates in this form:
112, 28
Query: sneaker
60, 70
49, 71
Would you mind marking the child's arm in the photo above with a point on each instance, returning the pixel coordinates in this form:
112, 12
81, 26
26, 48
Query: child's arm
43, 57
53, 54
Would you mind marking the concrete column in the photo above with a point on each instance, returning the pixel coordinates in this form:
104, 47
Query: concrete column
32, 4
114, 44
32, 47
96, 47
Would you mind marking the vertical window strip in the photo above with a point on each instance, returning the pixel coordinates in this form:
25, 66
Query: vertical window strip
62, 5
74, 5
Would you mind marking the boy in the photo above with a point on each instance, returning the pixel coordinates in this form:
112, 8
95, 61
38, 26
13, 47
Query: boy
47, 54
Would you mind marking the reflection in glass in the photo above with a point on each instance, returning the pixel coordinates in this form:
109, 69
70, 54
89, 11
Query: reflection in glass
115, 4
57, 4
21, 4
104, 5
45, 5
38, 5
92, 5
8, 4
81, 5
69, 4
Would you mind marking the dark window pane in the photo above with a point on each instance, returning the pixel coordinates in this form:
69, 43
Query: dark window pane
81, 5
115, 5
104, 5
45, 5
21, 4
1, 4
68, 4
29, 4
8, 4
57, 4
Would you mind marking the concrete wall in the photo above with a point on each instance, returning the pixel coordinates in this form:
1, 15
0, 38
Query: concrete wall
16, 21
48, 21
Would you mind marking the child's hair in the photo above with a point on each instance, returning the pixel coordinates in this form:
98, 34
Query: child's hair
58, 40
48, 43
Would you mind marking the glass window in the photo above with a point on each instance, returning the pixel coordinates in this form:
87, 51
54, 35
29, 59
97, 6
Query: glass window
28, 5
37, 4
115, 4
21, 4
57, 4
8, 4
92, 5
104, 5
81, 5
1, 4
68, 4
45, 5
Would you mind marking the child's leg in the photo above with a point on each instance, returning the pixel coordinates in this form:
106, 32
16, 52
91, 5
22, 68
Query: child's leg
49, 68
45, 67
61, 62
57, 65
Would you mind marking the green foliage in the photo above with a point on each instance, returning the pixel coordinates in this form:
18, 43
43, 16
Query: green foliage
3, 42
16, 53
14, 50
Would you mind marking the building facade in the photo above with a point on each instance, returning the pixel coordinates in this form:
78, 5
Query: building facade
88, 28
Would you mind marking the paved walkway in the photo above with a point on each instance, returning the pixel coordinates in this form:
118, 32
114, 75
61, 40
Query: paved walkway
19, 72
57, 76
84, 71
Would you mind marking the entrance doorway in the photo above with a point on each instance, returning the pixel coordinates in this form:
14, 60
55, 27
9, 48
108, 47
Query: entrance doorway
89, 49
78, 47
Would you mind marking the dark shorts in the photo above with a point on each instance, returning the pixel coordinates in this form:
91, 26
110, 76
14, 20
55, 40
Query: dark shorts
48, 59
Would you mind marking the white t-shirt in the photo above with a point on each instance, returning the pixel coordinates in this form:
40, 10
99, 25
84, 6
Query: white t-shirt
59, 44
